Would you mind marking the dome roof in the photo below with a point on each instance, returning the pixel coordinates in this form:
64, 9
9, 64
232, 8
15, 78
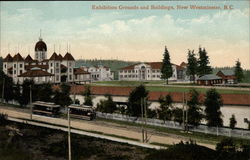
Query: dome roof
40, 46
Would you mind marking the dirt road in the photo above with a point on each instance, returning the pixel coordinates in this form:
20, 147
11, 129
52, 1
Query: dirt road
97, 127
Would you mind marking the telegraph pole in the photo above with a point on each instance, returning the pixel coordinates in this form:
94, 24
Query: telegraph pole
30, 102
142, 120
183, 111
69, 138
145, 110
3, 90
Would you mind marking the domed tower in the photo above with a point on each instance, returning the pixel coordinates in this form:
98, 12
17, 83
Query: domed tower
40, 50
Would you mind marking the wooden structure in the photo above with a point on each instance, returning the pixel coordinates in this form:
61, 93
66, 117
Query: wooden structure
227, 76
209, 80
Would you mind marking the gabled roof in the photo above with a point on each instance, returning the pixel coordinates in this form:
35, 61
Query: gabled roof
68, 57
60, 57
227, 72
35, 73
8, 58
28, 59
209, 77
80, 71
54, 56
18, 58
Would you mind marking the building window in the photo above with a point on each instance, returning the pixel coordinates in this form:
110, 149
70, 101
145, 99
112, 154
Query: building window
70, 64
14, 71
70, 77
51, 64
21, 71
70, 70
5, 66
21, 65
57, 70
57, 64
51, 70
121, 76
14, 65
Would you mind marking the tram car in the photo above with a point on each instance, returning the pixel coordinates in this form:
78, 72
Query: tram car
46, 108
82, 112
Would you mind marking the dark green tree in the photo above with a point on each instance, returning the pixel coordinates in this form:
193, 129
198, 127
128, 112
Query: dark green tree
213, 102
192, 65
135, 99
8, 87
203, 63
177, 115
17, 93
165, 112
62, 96
238, 71
166, 69
87, 96
107, 106
233, 122
45, 92
27, 87
194, 110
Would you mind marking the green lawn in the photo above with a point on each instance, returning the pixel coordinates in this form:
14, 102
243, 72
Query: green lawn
157, 86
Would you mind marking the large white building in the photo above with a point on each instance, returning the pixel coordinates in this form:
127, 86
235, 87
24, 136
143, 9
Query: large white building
151, 71
56, 69
99, 73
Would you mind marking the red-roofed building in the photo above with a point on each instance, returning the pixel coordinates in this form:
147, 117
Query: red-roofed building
56, 69
150, 71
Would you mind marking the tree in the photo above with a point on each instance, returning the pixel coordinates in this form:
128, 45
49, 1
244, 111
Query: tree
107, 106
177, 114
238, 71
233, 122
62, 96
8, 86
166, 69
135, 100
213, 102
25, 96
87, 96
17, 93
203, 63
45, 92
192, 65
165, 112
194, 110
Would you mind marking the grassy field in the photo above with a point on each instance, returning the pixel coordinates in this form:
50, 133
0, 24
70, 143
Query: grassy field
158, 86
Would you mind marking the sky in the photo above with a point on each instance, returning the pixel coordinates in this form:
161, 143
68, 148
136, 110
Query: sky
134, 35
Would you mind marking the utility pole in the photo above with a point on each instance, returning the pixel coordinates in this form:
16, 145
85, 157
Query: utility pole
145, 111
3, 90
183, 111
30, 102
69, 138
142, 120
186, 114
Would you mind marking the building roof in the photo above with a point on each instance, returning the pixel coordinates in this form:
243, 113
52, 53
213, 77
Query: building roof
227, 72
154, 65
18, 58
54, 56
209, 77
68, 57
28, 59
28, 67
41, 46
80, 71
8, 58
60, 57
35, 72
